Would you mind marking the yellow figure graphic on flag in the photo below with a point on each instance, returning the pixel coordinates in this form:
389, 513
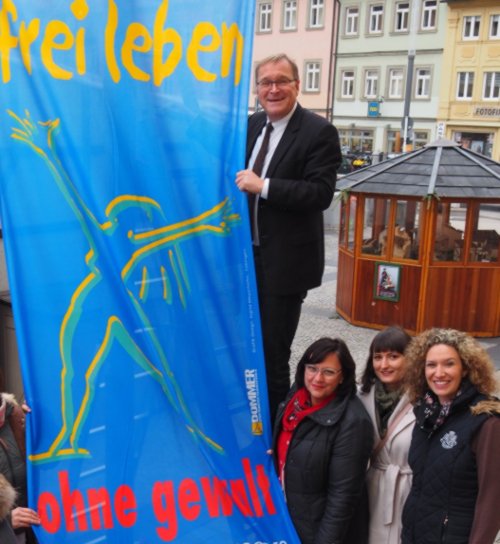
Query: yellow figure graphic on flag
130, 250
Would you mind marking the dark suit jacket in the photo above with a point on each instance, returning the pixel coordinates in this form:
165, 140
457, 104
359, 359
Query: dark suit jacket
303, 174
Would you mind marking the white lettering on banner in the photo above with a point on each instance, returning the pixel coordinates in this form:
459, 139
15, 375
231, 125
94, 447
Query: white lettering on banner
252, 385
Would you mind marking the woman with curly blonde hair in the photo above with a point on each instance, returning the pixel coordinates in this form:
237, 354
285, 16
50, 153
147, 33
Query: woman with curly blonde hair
455, 444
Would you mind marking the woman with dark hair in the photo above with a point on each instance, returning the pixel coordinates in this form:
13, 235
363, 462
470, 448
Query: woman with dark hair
455, 447
382, 394
322, 441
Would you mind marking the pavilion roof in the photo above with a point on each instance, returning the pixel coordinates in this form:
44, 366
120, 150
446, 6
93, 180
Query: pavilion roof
441, 168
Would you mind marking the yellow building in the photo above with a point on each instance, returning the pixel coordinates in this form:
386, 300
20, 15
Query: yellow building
469, 110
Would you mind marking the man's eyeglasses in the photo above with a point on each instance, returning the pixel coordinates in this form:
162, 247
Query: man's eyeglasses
280, 83
328, 373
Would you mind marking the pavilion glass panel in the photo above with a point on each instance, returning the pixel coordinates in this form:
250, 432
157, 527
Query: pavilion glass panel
449, 231
353, 203
407, 236
485, 242
375, 224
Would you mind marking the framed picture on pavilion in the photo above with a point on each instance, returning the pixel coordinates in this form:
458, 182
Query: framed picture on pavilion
387, 281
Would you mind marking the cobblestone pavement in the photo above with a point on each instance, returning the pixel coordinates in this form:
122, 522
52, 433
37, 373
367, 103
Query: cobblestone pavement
319, 318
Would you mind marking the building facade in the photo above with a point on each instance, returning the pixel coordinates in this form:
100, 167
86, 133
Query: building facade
469, 111
306, 31
389, 63
392, 72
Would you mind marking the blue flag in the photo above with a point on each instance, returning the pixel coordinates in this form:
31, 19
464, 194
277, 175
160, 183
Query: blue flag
123, 123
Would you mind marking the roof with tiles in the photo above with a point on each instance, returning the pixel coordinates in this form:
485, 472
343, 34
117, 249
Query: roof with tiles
441, 168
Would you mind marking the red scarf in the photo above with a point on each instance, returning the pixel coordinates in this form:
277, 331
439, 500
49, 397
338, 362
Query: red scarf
298, 408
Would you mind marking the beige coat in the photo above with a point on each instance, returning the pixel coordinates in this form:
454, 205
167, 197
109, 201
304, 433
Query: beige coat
389, 477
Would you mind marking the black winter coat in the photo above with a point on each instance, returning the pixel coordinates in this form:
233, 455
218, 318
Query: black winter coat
325, 472
441, 504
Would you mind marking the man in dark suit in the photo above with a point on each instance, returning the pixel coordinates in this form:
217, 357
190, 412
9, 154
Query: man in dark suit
290, 179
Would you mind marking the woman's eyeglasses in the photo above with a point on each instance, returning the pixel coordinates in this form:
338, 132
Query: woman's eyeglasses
325, 372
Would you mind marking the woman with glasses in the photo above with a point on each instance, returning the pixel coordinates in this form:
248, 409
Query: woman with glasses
322, 441
382, 394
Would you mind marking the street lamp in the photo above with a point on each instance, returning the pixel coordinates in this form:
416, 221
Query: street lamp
407, 122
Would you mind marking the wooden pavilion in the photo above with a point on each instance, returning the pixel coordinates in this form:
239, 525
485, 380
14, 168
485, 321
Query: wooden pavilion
420, 240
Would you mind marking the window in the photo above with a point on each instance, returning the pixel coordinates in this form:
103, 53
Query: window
376, 18
478, 142
401, 17
393, 144
356, 140
312, 76
380, 235
406, 240
429, 14
353, 203
290, 15
471, 27
494, 27
344, 211
486, 237
396, 83
347, 90
316, 13
449, 231
348, 222
376, 218
420, 138
423, 83
491, 87
351, 21
371, 83
465, 84
264, 19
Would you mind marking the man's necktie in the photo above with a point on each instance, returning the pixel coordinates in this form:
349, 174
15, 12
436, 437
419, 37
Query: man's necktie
257, 167
260, 159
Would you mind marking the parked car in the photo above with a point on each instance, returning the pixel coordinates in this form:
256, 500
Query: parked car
360, 160
345, 166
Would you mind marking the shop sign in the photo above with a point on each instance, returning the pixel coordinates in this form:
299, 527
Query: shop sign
373, 109
487, 112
